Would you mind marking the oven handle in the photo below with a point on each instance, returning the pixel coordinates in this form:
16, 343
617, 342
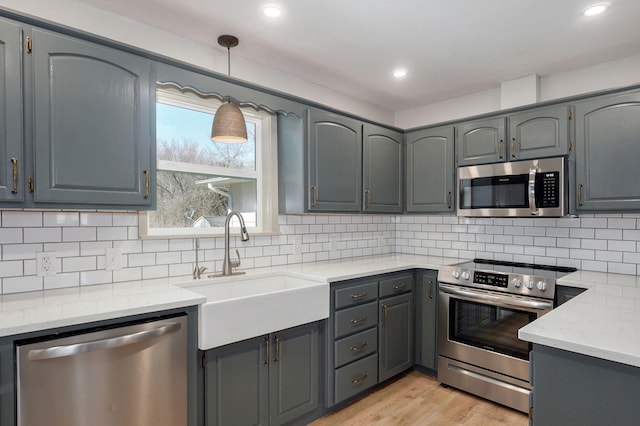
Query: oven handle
498, 300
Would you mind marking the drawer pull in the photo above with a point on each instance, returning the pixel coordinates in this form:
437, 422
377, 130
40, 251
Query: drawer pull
362, 378
359, 295
399, 286
14, 162
359, 320
266, 351
360, 347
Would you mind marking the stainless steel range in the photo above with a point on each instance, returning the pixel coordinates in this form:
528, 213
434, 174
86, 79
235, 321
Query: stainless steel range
482, 305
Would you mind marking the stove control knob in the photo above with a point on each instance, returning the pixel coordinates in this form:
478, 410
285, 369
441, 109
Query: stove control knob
517, 283
466, 275
455, 274
542, 286
529, 284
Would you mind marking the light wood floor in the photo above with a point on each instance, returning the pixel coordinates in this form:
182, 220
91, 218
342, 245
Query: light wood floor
417, 399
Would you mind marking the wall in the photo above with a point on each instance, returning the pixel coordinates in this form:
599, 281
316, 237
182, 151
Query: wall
609, 243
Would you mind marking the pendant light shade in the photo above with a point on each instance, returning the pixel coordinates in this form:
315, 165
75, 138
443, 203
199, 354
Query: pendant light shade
228, 123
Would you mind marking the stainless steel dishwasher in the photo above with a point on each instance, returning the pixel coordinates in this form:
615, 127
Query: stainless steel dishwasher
131, 375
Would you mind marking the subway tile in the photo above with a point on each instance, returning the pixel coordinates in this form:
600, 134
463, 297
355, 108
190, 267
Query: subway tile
94, 248
21, 219
158, 271
78, 234
12, 268
62, 281
127, 274
42, 235
622, 268
621, 246
609, 234
112, 233
621, 223
593, 244
582, 254
168, 257
62, 249
20, 251
582, 233
591, 265
609, 256
20, 284
95, 277
96, 219
10, 235
61, 219
150, 246
76, 264
125, 219
141, 259
633, 235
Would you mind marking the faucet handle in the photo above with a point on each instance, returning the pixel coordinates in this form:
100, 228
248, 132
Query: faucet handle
235, 262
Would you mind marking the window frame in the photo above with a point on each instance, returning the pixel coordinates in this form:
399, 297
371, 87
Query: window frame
265, 171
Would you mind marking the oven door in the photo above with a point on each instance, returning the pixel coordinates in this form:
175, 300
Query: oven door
481, 328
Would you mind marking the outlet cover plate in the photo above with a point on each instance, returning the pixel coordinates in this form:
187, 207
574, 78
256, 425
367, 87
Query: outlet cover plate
46, 264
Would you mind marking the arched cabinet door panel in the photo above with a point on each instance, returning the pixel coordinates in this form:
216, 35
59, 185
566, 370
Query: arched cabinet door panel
382, 170
481, 141
93, 113
607, 153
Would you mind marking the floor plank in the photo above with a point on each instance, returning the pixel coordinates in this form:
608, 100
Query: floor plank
417, 399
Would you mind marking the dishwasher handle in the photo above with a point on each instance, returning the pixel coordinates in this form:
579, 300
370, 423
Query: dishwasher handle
113, 342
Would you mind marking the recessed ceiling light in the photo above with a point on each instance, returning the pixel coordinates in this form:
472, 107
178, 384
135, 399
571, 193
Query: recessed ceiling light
595, 9
272, 11
399, 73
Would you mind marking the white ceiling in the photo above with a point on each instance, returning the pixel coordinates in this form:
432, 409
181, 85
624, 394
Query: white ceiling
449, 47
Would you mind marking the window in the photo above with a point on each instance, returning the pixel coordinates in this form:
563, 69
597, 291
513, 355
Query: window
199, 181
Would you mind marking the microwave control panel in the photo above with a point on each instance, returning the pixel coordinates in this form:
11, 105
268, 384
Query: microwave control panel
548, 189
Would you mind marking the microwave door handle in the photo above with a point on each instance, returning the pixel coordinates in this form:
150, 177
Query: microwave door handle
532, 192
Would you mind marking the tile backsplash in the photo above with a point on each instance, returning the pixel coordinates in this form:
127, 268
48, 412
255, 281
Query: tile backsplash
79, 243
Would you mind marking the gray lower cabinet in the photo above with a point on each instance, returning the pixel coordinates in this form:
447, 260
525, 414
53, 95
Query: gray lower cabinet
539, 132
267, 380
371, 333
575, 389
481, 141
566, 293
396, 338
11, 136
335, 162
426, 318
382, 170
430, 170
607, 152
93, 123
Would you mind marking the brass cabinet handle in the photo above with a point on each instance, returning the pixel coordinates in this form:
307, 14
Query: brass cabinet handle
513, 147
359, 295
367, 202
500, 148
14, 162
579, 195
449, 200
146, 184
277, 354
359, 320
31, 185
362, 377
399, 286
384, 314
430, 287
360, 347
266, 351
314, 195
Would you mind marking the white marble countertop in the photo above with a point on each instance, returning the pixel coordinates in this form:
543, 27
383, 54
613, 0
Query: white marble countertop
602, 322
41, 310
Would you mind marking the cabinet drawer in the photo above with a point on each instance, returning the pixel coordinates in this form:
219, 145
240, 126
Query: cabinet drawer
355, 347
396, 285
356, 294
355, 378
355, 319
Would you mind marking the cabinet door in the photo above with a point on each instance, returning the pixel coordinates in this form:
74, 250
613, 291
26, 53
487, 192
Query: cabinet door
481, 141
11, 138
607, 153
395, 351
430, 170
294, 373
542, 132
426, 327
382, 174
93, 123
236, 384
335, 162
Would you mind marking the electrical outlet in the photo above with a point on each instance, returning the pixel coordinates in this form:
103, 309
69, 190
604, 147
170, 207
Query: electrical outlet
333, 243
46, 264
380, 240
113, 258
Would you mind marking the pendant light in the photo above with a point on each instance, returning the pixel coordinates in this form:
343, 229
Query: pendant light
228, 123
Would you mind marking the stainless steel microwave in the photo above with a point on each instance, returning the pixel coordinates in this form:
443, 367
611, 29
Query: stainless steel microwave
531, 188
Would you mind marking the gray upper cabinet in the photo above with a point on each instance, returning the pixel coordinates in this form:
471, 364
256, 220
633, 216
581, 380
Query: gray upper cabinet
541, 132
382, 170
481, 141
335, 162
607, 153
93, 123
430, 170
11, 135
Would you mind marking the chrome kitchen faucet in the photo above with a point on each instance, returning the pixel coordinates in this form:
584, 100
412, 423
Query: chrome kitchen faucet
228, 264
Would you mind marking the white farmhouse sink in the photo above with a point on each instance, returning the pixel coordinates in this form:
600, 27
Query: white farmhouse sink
238, 308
